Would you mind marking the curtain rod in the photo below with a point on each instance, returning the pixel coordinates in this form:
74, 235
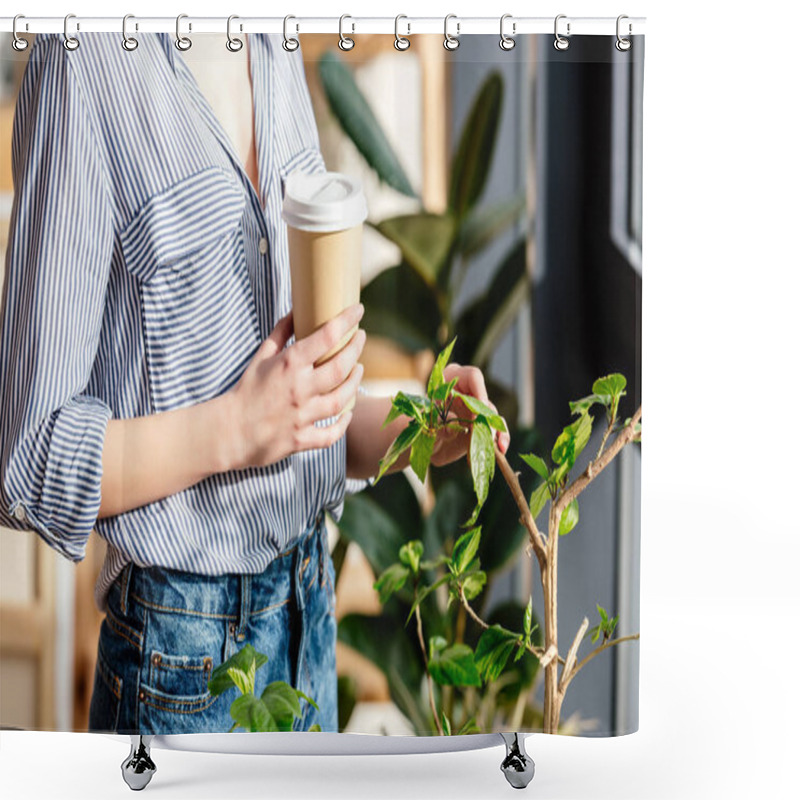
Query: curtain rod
407, 26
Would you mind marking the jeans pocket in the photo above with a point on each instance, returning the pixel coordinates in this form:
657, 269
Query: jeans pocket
106, 696
180, 653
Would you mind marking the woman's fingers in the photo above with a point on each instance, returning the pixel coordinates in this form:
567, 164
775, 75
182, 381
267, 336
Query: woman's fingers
312, 347
331, 403
278, 336
333, 372
312, 437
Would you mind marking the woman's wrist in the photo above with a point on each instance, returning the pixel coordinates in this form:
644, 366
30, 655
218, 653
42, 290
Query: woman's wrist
228, 445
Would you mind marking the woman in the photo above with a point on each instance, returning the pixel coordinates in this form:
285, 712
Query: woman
151, 384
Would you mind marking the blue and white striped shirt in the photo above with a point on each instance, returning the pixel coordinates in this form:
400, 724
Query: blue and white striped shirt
143, 271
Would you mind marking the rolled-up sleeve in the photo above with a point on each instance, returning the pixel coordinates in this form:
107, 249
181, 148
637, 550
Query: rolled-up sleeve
58, 259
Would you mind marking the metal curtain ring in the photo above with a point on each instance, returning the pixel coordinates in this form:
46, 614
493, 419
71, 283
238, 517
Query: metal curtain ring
400, 42
234, 44
560, 42
507, 42
290, 44
182, 42
128, 42
623, 45
451, 42
18, 43
70, 42
345, 42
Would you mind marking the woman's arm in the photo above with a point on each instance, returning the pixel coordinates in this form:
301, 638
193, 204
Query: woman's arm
269, 414
148, 458
367, 443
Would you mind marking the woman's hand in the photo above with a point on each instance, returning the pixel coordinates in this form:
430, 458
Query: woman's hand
281, 394
453, 444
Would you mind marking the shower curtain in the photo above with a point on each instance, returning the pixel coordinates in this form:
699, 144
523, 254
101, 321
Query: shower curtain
193, 538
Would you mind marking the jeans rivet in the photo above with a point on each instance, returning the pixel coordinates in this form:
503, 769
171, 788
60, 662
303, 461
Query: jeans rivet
141, 695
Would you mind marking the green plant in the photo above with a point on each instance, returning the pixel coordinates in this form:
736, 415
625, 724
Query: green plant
460, 572
384, 518
276, 708
414, 302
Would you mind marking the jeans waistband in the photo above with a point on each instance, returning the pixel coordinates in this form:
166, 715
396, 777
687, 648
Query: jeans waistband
233, 596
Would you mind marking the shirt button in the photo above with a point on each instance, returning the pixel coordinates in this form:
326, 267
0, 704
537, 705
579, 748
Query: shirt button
262, 246
19, 513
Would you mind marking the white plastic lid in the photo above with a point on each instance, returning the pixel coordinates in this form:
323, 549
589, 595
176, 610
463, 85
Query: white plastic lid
323, 202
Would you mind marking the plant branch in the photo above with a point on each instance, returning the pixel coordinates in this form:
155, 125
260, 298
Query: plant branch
526, 518
428, 675
625, 436
532, 648
572, 655
599, 649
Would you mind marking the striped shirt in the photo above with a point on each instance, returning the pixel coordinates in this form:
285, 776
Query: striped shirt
143, 271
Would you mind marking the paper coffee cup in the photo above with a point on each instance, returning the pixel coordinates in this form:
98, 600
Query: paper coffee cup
324, 213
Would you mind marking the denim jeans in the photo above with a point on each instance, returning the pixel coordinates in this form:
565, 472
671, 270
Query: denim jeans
165, 631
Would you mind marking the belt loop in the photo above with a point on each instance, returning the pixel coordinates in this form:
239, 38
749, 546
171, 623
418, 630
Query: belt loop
124, 584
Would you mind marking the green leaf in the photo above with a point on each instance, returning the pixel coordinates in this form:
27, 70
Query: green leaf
537, 464
403, 441
421, 452
243, 681
486, 223
502, 534
446, 725
473, 157
481, 457
464, 550
354, 114
402, 404
473, 584
584, 404
315, 728
246, 661
603, 614
390, 580
454, 666
482, 410
539, 498
308, 699
281, 700
425, 241
493, 651
609, 387
522, 672
572, 440
410, 554
401, 306
526, 624
251, 714
569, 519
443, 391
486, 320
436, 378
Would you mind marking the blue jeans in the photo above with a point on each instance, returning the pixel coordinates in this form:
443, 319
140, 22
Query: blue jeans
165, 631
